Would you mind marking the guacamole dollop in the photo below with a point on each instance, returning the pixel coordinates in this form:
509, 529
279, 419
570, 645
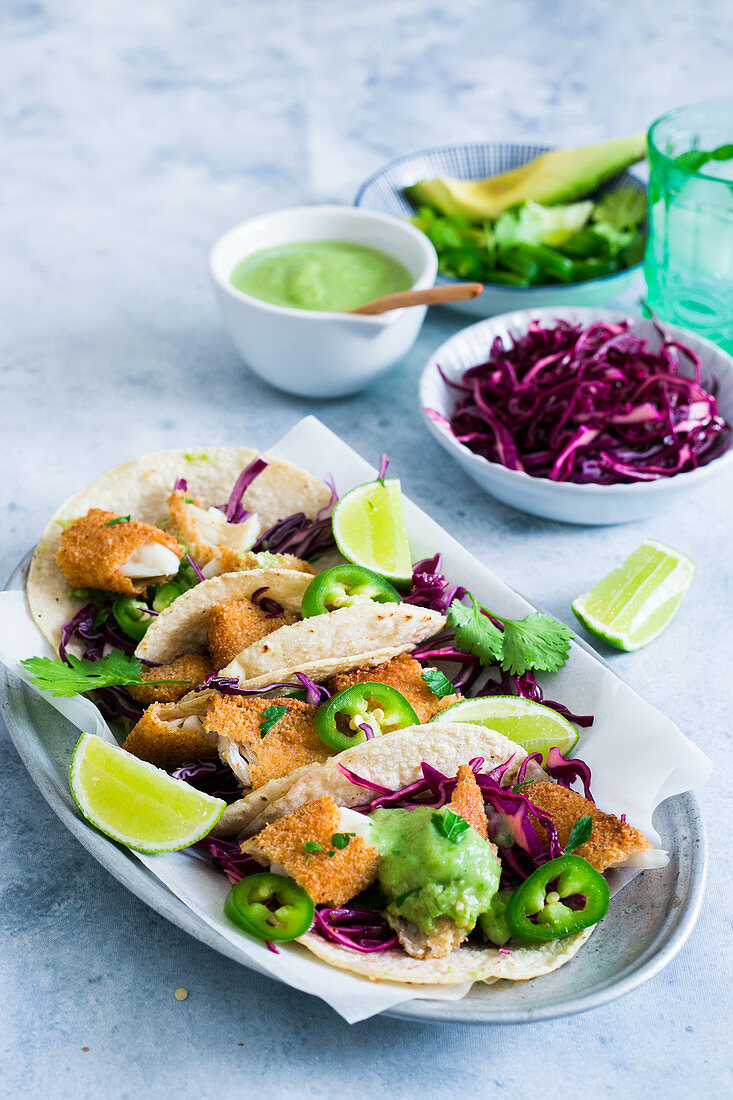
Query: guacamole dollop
425, 875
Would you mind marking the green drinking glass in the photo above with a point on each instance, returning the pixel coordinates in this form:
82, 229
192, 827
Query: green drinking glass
689, 256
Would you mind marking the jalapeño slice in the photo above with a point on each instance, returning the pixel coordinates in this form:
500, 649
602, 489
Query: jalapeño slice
270, 907
561, 897
361, 712
343, 586
133, 616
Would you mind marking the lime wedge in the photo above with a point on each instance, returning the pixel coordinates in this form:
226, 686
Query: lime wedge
533, 726
632, 605
369, 528
136, 803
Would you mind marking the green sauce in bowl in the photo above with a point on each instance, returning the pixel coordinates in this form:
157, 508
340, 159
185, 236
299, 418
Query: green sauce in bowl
320, 275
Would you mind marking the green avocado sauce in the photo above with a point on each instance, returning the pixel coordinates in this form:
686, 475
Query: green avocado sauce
427, 876
320, 275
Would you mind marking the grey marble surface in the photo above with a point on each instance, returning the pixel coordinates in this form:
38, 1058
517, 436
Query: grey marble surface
132, 135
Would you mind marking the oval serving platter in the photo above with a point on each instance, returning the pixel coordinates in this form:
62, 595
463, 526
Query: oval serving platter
636, 941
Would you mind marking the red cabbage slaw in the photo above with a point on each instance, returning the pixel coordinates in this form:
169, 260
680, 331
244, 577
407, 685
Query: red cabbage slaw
589, 405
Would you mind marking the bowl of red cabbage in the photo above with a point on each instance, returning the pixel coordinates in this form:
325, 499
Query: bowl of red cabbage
582, 415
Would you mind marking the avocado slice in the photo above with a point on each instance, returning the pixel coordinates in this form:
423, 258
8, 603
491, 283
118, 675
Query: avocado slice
561, 175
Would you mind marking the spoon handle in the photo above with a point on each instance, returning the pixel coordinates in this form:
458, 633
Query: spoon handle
431, 296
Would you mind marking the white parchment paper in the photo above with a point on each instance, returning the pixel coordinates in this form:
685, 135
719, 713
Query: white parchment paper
637, 756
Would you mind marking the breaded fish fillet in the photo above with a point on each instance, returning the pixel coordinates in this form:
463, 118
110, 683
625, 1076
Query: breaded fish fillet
331, 875
167, 735
612, 841
216, 544
109, 552
236, 624
192, 669
404, 674
254, 757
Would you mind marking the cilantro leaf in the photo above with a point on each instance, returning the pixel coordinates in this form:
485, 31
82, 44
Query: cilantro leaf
450, 825
340, 840
120, 519
579, 833
81, 675
538, 642
270, 717
311, 846
622, 209
475, 633
438, 682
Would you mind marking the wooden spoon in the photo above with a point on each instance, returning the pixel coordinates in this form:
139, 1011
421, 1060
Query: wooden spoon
432, 296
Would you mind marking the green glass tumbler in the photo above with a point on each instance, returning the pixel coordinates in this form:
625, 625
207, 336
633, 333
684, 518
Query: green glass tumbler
689, 256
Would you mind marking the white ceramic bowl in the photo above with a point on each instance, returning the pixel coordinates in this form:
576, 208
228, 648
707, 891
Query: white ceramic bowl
385, 191
316, 353
566, 501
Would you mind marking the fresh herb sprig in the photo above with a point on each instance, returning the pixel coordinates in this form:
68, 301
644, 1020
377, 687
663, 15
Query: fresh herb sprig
438, 682
450, 825
536, 642
270, 717
81, 675
579, 833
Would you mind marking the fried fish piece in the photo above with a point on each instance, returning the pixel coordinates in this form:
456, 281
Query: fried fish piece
256, 757
468, 802
192, 669
612, 843
217, 545
168, 735
109, 552
236, 624
331, 875
404, 674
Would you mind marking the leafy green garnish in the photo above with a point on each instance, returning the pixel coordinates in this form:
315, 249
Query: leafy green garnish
579, 833
438, 682
535, 642
81, 675
451, 826
310, 846
120, 519
341, 840
622, 209
270, 716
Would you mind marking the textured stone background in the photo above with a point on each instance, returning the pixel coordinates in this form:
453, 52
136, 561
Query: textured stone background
132, 135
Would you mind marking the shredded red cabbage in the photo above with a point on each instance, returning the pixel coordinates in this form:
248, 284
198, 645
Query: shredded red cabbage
296, 534
271, 607
235, 511
229, 858
180, 486
97, 625
210, 775
383, 464
565, 772
195, 568
430, 588
588, 405
229, 685
526, 687
114, 703
360, 929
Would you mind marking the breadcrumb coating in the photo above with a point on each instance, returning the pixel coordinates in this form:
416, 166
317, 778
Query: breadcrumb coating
92, 552
192, 668
164, 738
468, 802
332, 876
611, 841
236, 624
290, 743
404, 674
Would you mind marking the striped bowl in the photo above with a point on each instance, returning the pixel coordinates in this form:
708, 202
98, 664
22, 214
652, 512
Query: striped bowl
384, 192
